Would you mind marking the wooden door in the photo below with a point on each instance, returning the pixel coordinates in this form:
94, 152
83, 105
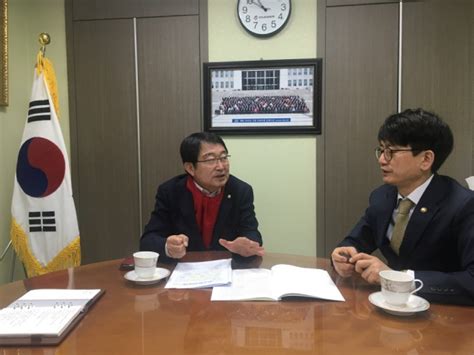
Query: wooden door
105, 143
438, 72
360, 91
169, 85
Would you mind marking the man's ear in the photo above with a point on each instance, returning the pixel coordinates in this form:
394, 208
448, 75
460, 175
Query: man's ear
428, 160
189, 168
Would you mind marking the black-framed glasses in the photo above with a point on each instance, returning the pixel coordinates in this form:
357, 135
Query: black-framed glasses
388, 152
224, 159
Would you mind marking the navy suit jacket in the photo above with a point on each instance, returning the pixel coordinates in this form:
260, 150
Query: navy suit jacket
174, 214
438, 243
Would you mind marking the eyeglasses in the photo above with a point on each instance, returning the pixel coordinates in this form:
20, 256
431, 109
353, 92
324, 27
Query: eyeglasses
388, 152
224, 159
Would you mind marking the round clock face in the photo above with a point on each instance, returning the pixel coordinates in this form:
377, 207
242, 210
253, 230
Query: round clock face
264, 18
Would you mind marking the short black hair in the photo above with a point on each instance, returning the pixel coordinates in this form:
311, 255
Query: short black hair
421, 130
191, 145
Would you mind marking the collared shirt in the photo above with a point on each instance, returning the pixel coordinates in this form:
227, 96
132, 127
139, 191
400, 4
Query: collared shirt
415, 197
206, 192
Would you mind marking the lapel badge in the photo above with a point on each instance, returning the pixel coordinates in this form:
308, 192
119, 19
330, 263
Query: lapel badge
423, 210
228, 196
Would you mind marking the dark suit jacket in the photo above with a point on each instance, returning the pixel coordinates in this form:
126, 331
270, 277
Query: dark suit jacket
174, 214
438, 243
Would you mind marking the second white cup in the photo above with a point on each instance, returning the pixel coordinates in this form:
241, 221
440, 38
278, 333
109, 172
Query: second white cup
145, 263
397, 286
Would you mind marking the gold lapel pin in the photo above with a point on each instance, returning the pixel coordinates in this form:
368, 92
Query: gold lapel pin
423, 210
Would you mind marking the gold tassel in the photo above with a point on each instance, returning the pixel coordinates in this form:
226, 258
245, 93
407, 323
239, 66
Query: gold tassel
43, 65
69, 256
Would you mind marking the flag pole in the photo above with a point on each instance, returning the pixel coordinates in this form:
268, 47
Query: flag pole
44, 39
44, 228
6, 250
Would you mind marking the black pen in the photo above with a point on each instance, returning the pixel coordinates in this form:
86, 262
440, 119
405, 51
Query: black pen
347, 256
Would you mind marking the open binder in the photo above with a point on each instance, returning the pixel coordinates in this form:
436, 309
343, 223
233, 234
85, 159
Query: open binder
45, 316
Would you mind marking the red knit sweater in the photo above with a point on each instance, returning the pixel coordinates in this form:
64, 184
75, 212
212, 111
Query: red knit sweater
205, 209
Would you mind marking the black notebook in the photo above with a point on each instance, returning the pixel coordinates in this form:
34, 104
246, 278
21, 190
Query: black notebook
44, 316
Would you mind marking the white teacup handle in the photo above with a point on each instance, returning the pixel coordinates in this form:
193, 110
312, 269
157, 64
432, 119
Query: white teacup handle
419, 287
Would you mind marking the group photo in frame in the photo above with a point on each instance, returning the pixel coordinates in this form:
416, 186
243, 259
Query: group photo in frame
263, 97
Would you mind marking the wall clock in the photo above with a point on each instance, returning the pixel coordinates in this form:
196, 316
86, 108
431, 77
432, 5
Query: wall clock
263, 18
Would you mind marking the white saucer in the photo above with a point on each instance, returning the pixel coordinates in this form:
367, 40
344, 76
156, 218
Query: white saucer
160, 274
415, 304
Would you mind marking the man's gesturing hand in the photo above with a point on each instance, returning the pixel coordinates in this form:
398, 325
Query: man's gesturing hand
242, 246
176, 246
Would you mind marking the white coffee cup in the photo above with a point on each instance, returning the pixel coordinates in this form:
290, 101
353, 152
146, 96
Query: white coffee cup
145, 263
397, 286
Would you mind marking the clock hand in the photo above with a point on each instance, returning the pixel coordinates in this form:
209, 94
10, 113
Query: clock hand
260, 5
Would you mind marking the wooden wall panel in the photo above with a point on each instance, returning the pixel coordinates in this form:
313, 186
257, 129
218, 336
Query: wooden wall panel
171, 39
438, 71
361, 91
104, 9
358, 2
106, 144
169, 77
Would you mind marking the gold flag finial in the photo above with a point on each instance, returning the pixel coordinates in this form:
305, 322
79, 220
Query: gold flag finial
44, 39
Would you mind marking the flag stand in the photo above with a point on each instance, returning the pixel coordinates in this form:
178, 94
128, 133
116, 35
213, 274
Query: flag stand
7, 248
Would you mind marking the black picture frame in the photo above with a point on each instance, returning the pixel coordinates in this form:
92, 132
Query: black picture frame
263, 97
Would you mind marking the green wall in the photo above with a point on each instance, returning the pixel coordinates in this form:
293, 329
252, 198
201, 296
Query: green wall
281, 169
26, 20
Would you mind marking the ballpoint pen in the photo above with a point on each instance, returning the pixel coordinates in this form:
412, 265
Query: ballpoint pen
347, 256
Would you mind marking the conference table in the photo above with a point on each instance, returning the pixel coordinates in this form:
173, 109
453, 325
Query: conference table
149, 319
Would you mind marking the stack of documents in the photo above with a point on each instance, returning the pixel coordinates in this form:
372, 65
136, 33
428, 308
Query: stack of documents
201, 274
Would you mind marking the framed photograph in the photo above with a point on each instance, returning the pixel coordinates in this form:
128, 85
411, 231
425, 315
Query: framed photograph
263, 97
3, 53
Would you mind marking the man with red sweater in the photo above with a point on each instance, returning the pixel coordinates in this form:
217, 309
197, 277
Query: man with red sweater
204, 209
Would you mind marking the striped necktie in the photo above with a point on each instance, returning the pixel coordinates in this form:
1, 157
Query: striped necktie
401, 221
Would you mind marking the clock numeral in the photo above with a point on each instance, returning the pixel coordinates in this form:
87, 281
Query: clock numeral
255, 25
264, 26
247, 18
280, 16
249, 2
244, 9
283, 7
274, 24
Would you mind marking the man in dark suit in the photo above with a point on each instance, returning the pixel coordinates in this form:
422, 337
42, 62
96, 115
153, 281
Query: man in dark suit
437, 243
204, 209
